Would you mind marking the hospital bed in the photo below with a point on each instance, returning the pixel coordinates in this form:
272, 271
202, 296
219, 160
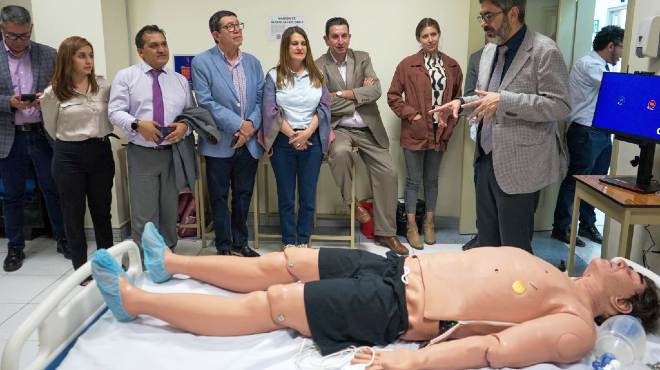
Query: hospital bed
76, 331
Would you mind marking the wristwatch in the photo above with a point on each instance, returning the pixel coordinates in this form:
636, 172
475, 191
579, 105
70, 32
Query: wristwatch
135, 124
339, 93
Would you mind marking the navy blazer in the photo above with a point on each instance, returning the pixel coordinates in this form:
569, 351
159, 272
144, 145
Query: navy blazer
214, 90
43, 63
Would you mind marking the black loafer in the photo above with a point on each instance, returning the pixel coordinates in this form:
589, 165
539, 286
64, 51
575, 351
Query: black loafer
565, 237
244, 251
472, 243
224, 252
591, 232
63, 248
14, 260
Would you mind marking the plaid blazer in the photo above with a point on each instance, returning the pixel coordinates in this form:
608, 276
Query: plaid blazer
528, 153
43, 63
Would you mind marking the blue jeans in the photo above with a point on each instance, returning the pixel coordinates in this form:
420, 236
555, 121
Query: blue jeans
590, 152
30, 146
237, 172
301, 166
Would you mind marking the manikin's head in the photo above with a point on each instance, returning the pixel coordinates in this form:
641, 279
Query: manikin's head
625, 291
608, 43
501, 19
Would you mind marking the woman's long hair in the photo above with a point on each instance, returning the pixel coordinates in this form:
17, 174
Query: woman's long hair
284, 74
62, 82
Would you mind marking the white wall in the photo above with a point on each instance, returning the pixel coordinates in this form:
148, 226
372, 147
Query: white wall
384, 28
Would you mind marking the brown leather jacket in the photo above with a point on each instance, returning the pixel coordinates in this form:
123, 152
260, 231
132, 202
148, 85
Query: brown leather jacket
410, 94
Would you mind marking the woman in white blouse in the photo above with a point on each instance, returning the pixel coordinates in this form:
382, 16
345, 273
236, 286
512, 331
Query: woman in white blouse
296, 127
75, 113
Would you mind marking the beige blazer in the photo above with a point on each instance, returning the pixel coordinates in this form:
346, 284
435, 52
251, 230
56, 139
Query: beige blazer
358, 67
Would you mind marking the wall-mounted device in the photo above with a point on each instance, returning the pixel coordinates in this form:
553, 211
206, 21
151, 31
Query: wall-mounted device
647, 39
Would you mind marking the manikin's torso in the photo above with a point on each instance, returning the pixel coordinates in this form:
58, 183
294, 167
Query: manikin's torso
496, 287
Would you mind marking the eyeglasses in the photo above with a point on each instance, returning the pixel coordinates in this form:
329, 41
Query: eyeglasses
15, 36
487, 17
234, 26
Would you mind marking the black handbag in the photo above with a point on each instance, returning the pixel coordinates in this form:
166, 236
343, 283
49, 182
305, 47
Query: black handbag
402, 219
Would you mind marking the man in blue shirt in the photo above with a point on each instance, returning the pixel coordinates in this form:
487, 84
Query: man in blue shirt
590, 150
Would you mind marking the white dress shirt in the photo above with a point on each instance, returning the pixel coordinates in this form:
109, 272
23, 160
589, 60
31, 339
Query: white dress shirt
131, 98
584, 83
354, 120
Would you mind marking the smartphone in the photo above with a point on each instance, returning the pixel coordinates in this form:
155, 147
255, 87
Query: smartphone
164, 131
234, 141
28, 97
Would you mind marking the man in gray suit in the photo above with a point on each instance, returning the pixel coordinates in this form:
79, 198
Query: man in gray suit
354, 88
26, 68
522, 92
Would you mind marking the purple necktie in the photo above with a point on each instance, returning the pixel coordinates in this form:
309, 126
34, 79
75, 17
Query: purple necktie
158, 107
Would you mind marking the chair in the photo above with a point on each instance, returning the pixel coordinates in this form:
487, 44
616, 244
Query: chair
328, 237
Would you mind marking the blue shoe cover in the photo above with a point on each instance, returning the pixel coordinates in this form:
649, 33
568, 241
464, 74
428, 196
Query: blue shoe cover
106, 272
153, 246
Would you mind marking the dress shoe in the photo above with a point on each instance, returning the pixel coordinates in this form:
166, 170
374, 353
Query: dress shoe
565, 237
591, 232
393, 243
429, 232
244, 251
14, 260
472, 243
413, 237
223, 252
63, 248
362, 215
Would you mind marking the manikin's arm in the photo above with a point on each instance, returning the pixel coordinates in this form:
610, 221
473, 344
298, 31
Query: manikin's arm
559, 338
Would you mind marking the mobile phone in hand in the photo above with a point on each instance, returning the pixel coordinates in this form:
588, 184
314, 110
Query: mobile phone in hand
28, 97
234, 141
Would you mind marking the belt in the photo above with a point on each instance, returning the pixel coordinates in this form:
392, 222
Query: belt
365, 128
158, 147
27, 127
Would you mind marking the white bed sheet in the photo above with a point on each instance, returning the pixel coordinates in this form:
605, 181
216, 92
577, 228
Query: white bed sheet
148, 343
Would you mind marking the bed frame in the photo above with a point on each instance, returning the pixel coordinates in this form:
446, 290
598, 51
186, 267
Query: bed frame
70, 309
65, 313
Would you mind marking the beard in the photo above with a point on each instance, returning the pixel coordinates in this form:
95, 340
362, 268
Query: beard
500, 35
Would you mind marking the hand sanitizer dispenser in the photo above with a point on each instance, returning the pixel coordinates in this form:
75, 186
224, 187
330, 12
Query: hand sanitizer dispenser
647, 39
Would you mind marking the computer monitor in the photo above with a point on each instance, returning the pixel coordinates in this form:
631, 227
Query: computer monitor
629, 106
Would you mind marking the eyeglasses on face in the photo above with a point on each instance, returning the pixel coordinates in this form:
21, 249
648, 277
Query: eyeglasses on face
16, 36
234, 26
487, 17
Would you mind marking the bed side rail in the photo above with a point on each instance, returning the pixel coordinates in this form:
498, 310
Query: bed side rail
65, 313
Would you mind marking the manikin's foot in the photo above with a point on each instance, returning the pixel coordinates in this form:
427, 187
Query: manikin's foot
107, 273
154, 249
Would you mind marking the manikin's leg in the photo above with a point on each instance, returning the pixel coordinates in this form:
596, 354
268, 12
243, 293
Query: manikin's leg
241, 274
281, 306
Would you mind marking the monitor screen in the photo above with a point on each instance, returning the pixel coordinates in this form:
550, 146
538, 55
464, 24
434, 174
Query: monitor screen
629, 105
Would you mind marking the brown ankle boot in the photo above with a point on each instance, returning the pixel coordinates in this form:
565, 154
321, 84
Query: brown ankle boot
413, 237
429, 233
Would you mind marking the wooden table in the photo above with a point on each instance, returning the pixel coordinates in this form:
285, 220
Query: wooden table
625, 206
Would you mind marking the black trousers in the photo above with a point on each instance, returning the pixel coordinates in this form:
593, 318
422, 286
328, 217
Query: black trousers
503, 219
84, 172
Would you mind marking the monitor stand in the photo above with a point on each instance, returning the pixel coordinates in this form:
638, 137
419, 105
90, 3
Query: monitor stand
644, 182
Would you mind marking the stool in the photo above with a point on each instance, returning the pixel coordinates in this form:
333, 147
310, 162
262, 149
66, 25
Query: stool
258, 235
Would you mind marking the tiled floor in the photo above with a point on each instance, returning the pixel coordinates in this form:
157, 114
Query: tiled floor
22, 290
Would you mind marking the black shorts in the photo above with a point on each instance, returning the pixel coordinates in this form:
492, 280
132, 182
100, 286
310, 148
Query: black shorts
359, 301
